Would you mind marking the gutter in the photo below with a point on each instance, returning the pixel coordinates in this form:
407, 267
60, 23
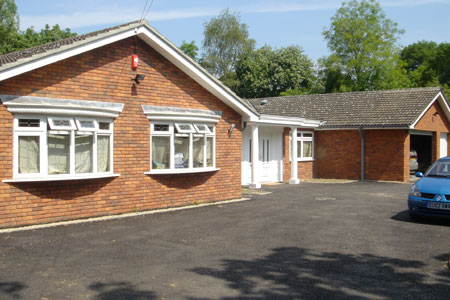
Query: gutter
360, 130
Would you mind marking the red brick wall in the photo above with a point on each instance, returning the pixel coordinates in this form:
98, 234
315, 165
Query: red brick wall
105, 75
387, 155
305, 168
337, 154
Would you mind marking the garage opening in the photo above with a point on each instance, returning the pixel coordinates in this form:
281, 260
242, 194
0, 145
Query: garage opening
420, 152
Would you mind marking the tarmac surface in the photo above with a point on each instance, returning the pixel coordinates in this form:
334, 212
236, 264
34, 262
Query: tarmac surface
308, 241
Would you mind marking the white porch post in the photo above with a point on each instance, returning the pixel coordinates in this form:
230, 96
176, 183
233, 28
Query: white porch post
255, 184
294, 165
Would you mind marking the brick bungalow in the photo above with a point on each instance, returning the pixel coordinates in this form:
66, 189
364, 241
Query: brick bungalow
365, 135
84, 134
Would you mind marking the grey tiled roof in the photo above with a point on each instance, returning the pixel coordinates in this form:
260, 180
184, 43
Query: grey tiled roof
16, 56
391, 108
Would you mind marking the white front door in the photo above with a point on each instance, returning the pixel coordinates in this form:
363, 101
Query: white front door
270, 155
444, 141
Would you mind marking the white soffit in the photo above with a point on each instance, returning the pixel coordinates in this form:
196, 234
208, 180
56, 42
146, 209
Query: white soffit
287, 121
43, 105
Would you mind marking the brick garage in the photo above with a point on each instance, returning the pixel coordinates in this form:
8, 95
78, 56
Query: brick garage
386, 118
104, 74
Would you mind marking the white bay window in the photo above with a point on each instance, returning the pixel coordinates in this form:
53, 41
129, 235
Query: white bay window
182, 140
52, 146
182, 146
60, 139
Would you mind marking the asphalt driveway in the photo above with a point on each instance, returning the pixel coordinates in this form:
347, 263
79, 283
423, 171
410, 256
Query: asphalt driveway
311, 241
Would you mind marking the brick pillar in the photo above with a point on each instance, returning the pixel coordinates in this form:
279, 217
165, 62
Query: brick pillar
406, 149
435, 146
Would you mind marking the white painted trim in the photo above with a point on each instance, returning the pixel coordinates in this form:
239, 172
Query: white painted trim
181, 171
421, 132
286, 121
59, 54
61, 178
56, 106
357, 127
443, 103
170, 114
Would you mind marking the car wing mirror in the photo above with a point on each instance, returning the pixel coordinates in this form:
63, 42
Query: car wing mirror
419, 174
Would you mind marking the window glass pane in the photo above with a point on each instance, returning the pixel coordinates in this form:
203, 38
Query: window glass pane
299, 149
307, 134
61, 123
103, 153
160, 152
103, 125
83, 153
161, 127
28, 154
29, 122
198, 151
307, 149
181, 152
209, 151
87, 124
58, 154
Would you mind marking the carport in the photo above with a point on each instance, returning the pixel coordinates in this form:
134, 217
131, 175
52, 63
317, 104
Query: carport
422, 143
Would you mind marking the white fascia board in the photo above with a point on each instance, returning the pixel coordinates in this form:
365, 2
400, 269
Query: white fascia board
194, 72
60, 55
286, 121
362, 127
444, 105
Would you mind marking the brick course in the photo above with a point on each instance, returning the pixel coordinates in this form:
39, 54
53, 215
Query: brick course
105, 75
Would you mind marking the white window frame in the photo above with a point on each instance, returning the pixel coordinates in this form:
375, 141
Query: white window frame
47, 127
172, 133
191, 130
206, 131
80, 128
301, 138
51, 120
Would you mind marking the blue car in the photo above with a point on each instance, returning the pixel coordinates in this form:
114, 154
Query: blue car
430, 196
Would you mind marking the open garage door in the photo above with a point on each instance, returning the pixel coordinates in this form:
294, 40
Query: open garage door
421, 144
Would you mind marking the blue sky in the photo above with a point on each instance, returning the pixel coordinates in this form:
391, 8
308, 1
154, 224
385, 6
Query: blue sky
276, 23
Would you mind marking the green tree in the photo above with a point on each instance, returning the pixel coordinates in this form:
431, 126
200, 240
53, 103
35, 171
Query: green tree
226, 41
269, 73
363, 44
419, 61
190, 49
9, 26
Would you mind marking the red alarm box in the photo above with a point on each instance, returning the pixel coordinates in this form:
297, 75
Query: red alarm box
134, 61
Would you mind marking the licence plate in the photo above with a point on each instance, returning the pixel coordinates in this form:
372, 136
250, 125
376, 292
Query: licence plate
434, 205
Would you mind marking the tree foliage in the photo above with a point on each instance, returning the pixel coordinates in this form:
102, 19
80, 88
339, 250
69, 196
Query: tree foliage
190, 49
226, 41
9, 26
427, 64
268, 73
12, 39
363, 45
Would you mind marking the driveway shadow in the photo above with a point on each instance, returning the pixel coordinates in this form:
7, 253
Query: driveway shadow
404, 217
11, 289
120, 291
296, 273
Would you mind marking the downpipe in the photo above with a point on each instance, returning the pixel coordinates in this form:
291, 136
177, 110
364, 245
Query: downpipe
361, 133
